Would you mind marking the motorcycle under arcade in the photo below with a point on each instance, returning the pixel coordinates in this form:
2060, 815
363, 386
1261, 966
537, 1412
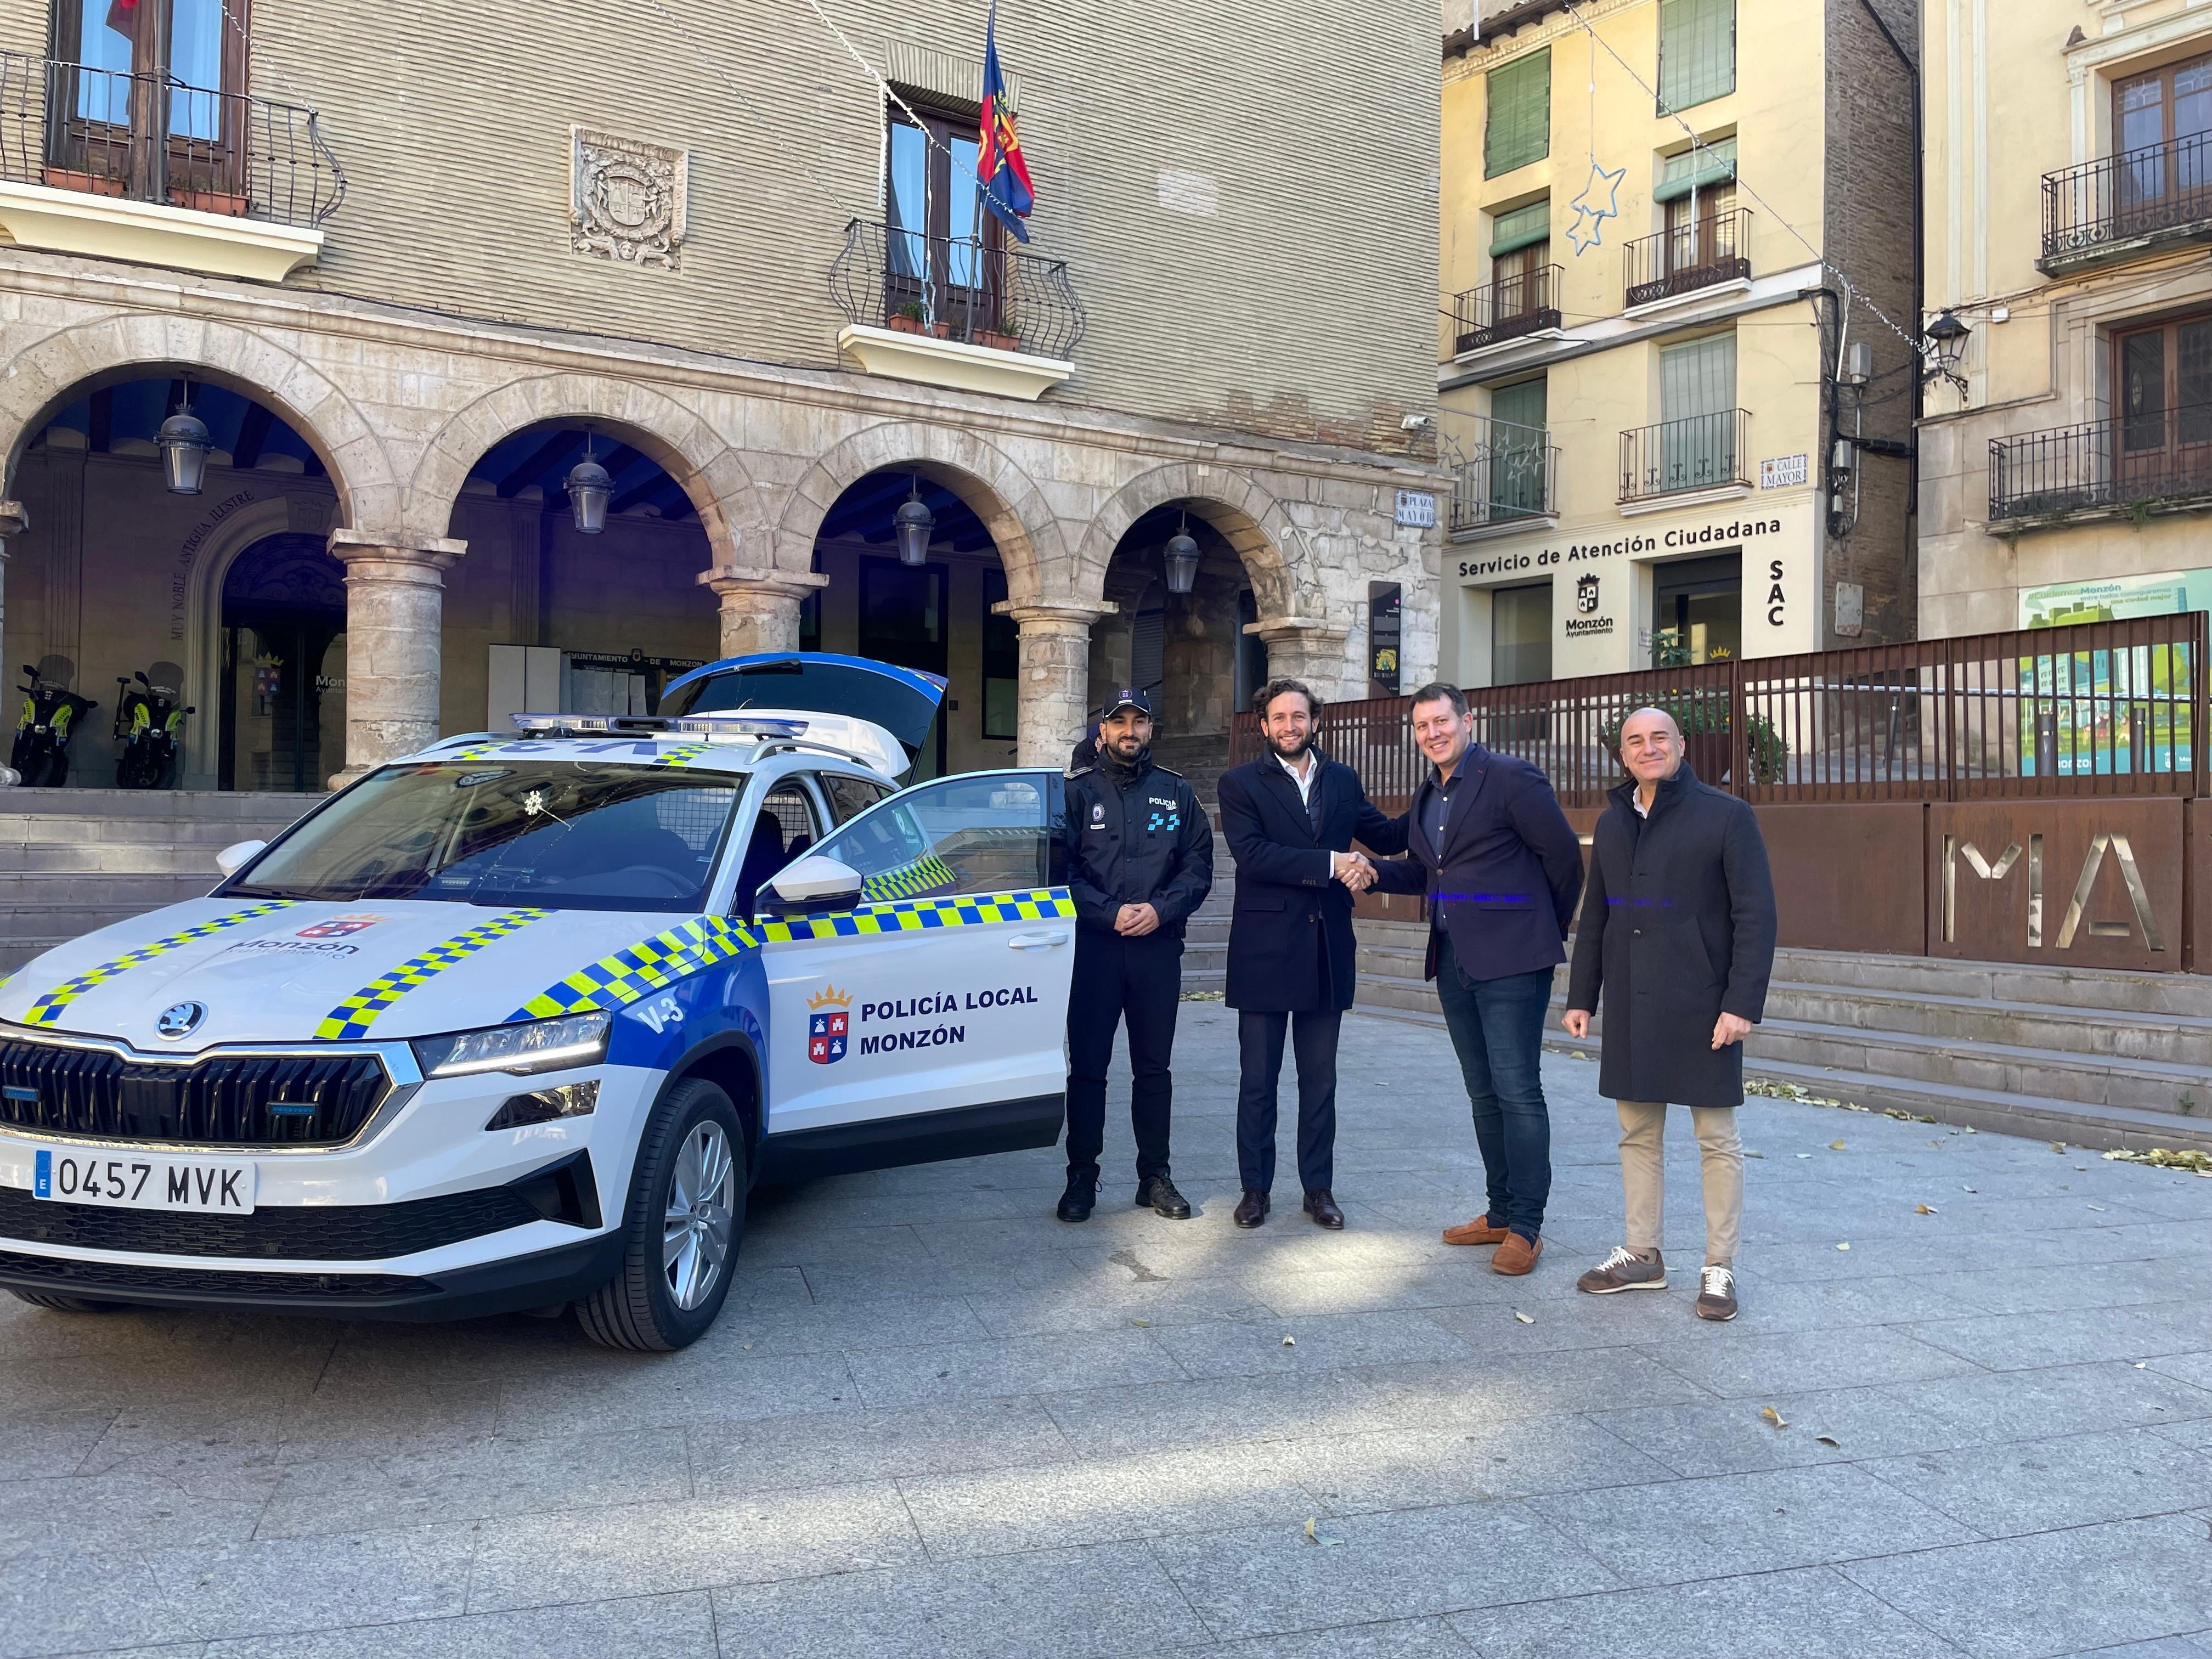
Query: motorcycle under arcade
149, 723
50, 713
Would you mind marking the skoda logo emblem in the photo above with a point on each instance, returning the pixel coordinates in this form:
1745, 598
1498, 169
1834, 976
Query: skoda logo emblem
181, 1019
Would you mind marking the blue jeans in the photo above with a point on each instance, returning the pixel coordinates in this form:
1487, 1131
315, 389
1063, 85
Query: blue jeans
1497, 1028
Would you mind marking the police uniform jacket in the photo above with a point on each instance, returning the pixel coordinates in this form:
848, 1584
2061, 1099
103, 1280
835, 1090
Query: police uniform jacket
1677, 928
1135, 837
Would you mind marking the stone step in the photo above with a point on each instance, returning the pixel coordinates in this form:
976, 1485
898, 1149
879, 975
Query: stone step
2170, 1039
2047, 985
31, 830
24, 893
99, 858
196, 804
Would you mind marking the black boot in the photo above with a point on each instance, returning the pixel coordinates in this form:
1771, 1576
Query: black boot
1080, 1198
1158, 1193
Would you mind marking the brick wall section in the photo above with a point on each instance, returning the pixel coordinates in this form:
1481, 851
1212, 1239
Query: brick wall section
1302, 309
1870, 236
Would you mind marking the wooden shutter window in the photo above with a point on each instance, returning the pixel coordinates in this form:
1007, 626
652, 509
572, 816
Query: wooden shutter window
1697, 52
1517, 123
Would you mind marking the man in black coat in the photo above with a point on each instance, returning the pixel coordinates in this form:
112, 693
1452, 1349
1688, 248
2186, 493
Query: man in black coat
1139, 856
1502, 869
1289, 818
1678, 934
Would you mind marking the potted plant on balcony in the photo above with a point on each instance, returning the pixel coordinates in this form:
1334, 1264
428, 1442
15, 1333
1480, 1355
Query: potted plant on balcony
998, 339
227, 202
910, 318
94, 184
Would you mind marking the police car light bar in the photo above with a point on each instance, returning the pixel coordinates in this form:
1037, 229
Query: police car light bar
727, 726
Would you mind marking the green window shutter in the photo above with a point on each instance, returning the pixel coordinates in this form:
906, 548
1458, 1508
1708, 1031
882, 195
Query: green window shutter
1697, 51
1517, 126
1698, 379
1696, 169
1524, 227
1521, 405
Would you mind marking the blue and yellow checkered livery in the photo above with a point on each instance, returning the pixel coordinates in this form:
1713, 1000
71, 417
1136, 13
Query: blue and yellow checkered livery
48, 1008
353, 1017
614, 981
908, 880
913, 915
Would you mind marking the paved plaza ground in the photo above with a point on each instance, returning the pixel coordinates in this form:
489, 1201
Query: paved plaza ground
935, 1423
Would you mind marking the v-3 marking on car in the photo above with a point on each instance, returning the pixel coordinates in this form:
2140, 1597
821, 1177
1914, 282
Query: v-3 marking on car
517, 1022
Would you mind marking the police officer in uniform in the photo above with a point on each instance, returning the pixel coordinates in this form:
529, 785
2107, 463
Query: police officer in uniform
1139, 860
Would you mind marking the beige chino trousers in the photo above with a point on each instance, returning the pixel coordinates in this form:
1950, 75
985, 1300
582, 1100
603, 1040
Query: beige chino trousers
1644, 1174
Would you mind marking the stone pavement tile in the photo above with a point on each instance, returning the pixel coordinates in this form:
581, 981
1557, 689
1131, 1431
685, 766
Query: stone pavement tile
2197, 1435
2195, 1367
1017, 1364
2055, 1592
813, 1329
730, 1460
1502, 1384
103, 1512
1392, 1639
1758, 1523
1317, 1342
924, 1277
213, 1450
1109, 1602
1152, 1417
171, 1373
34, 1444
485, 1478
1273, 1580
1117, 1307
1835, 1304
811, 1236
636, 1627
2148, 1241
1463, 1277
2037, 1485
2083, 1284
78, 1602
605, 1391
1754, 1364
348, 1417
2170, 1647
1806, 1613
1195, 1251
1192, 1489
2070, 1335
1412, 1468
1565, 1318
409, 1357
528, 1561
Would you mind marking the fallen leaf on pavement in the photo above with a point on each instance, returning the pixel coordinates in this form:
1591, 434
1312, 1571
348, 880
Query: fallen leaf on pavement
1524, 1318
1828, 1440
1289, 1342
1965, 1189
1773, 1417
2098, 1208
1843, 1247
1749, 1153
2142, 1364
1804, 1154
1835, 1146
1143, 1324
2059, 1146
1315, 1536
1923, 1209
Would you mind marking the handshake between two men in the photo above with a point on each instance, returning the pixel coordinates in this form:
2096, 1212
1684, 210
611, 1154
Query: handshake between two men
1354, 869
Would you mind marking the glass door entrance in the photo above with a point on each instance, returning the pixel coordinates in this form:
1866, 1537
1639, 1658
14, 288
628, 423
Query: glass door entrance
284, 679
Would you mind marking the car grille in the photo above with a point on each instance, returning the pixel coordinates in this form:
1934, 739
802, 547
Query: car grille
220, 1100
72, 1277
351, 1232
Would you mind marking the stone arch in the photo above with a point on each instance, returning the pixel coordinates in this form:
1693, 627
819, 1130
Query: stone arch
1248, 519
678, 438
1008, 501
74, 361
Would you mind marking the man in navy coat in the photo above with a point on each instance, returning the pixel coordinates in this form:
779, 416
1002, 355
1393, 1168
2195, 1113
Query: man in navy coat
1503, 869
1289, 818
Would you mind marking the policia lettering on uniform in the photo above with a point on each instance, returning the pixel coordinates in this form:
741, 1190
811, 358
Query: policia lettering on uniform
1139, 855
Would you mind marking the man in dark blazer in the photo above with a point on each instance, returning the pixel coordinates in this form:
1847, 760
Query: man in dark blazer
1679, 939
1502, 871
1289, 818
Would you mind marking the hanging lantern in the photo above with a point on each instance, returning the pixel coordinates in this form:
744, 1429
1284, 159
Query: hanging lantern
1181, 557
183, 443
589, 487
915, 524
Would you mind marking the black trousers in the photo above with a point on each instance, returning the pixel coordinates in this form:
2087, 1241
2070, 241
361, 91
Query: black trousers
1260, 1052
1141, 979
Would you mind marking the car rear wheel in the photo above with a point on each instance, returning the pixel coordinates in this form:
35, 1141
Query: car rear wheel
686, 1213
65, 1303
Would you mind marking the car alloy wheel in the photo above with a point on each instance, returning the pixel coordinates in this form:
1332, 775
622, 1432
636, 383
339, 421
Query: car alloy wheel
695, 1237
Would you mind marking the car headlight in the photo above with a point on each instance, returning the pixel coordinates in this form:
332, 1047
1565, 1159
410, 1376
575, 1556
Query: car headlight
534, 1045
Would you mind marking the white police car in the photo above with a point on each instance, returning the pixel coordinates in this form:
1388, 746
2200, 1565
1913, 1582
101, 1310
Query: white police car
517, 1021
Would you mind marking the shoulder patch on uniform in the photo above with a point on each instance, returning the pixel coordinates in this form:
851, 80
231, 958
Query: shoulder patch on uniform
1167, 772
1078, 771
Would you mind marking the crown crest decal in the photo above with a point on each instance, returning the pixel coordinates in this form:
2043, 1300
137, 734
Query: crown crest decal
829, 996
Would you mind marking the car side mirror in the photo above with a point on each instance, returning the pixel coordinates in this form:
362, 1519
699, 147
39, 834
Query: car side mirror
236, 856
815, 883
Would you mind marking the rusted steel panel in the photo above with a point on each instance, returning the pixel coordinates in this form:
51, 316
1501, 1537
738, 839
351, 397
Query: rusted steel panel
1850, 877
2086, 884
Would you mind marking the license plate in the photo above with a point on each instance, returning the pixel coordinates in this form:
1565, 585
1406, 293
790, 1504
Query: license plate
142, 1181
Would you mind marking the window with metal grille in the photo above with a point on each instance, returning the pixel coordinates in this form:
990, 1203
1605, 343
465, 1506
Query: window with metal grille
1517, 127
1697, 52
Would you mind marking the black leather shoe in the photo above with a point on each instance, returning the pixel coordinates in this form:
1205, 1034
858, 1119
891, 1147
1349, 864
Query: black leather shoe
1158, 1193
1080, 1198
1251, 1209
1322, 1208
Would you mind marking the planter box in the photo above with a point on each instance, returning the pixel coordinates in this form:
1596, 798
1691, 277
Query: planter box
210, 201
998, 342
94, 184
906, 325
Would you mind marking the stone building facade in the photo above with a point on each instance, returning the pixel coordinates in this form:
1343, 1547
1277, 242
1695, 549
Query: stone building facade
754, 292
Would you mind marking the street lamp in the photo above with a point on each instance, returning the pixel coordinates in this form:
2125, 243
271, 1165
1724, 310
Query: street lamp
183, 443
1181, 555
1947, 336
589, 487
913, 523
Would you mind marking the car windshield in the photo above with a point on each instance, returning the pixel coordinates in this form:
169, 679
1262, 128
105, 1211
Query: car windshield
579, 835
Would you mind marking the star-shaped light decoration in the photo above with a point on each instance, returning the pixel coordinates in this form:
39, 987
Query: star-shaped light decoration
1598, 203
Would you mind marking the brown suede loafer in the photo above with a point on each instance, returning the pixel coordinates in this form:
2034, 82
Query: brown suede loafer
1251, 1209
1477, 1231
1517, 1255
1322, 1208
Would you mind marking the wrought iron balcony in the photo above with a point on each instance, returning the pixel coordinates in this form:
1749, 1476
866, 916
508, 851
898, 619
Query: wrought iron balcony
1501, 473
2163, 456
1703, 452
2106, 208
956, 288
1698, 254
1506, 309
153, 138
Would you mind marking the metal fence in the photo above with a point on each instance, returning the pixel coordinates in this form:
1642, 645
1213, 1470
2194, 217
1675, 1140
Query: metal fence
2118, 198
2112, 709
1502, 473
153, 138
2161, 454
1695, 254
956, 288
1507, 308
1701, 452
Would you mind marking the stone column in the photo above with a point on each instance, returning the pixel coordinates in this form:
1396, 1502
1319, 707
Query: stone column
395, 608
1055, 679
760, 606
15, 519
1310, 650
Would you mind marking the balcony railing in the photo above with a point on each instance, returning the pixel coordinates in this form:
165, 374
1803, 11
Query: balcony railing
1703, 452
956, 288
1689, 256
153, 138
2165, 455
1506, 309
1501, 473
2157, 190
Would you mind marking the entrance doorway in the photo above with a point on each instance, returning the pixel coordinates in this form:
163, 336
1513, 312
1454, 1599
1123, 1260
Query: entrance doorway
903, 622
283, 713
1697, 611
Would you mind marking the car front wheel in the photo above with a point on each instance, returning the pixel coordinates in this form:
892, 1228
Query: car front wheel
686, 1213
